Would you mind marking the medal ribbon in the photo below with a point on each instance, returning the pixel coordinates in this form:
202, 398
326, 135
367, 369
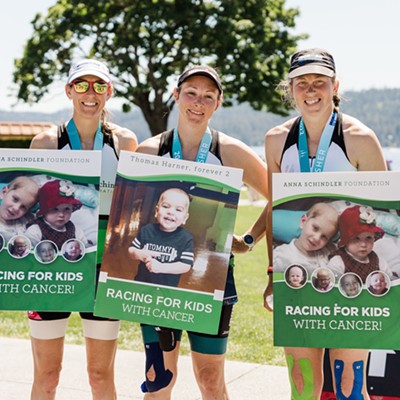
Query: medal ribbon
75, 140
203, 149
323, 146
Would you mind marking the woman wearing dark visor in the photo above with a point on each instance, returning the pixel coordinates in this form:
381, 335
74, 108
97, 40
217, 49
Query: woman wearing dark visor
198, 95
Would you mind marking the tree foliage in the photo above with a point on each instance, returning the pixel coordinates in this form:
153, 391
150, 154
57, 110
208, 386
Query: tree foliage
146, 44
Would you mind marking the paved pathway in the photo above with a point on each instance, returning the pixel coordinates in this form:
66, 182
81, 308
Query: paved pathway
245, 381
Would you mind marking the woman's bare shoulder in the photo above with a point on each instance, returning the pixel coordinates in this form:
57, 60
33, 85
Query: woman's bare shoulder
121, 131
279, 131
353, 126
125, 138
47, 139
150, 145
362, 144
275, 139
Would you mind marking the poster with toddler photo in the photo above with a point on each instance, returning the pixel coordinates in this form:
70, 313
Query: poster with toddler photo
49, 200
336, 241
168, 242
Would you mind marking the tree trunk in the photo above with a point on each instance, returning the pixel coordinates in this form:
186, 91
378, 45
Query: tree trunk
157, 121
155, 113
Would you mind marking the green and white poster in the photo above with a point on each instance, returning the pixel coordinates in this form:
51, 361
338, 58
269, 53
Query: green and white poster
336, 258
168, 242
49, 207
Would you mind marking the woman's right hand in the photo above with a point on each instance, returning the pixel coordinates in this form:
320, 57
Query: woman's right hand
268, 295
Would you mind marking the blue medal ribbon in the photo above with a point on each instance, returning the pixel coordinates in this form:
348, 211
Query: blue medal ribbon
76, 141
323, 146
203, 149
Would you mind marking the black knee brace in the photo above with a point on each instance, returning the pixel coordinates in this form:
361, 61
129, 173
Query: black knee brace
155, 359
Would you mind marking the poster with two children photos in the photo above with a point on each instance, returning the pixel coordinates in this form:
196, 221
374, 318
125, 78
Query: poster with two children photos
336, 258
49, 211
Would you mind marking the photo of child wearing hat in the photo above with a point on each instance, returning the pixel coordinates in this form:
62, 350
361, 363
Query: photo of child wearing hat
53, 222
358, 233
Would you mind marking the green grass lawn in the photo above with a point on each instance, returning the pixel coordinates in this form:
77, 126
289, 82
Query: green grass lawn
250, 339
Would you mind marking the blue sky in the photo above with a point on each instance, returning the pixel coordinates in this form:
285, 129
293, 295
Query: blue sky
362, 35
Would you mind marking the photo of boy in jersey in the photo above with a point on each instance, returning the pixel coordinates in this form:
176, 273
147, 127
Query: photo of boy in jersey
165, 248
196, 249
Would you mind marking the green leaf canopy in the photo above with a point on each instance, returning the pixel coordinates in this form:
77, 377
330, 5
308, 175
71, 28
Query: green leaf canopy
146, 44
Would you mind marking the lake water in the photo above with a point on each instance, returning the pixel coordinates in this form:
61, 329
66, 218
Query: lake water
392, 155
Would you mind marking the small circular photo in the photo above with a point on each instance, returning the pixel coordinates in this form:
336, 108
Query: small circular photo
350, 285
73, 250
46, 251
1, 242
323, 280
378, 283
295, 276
19, 246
